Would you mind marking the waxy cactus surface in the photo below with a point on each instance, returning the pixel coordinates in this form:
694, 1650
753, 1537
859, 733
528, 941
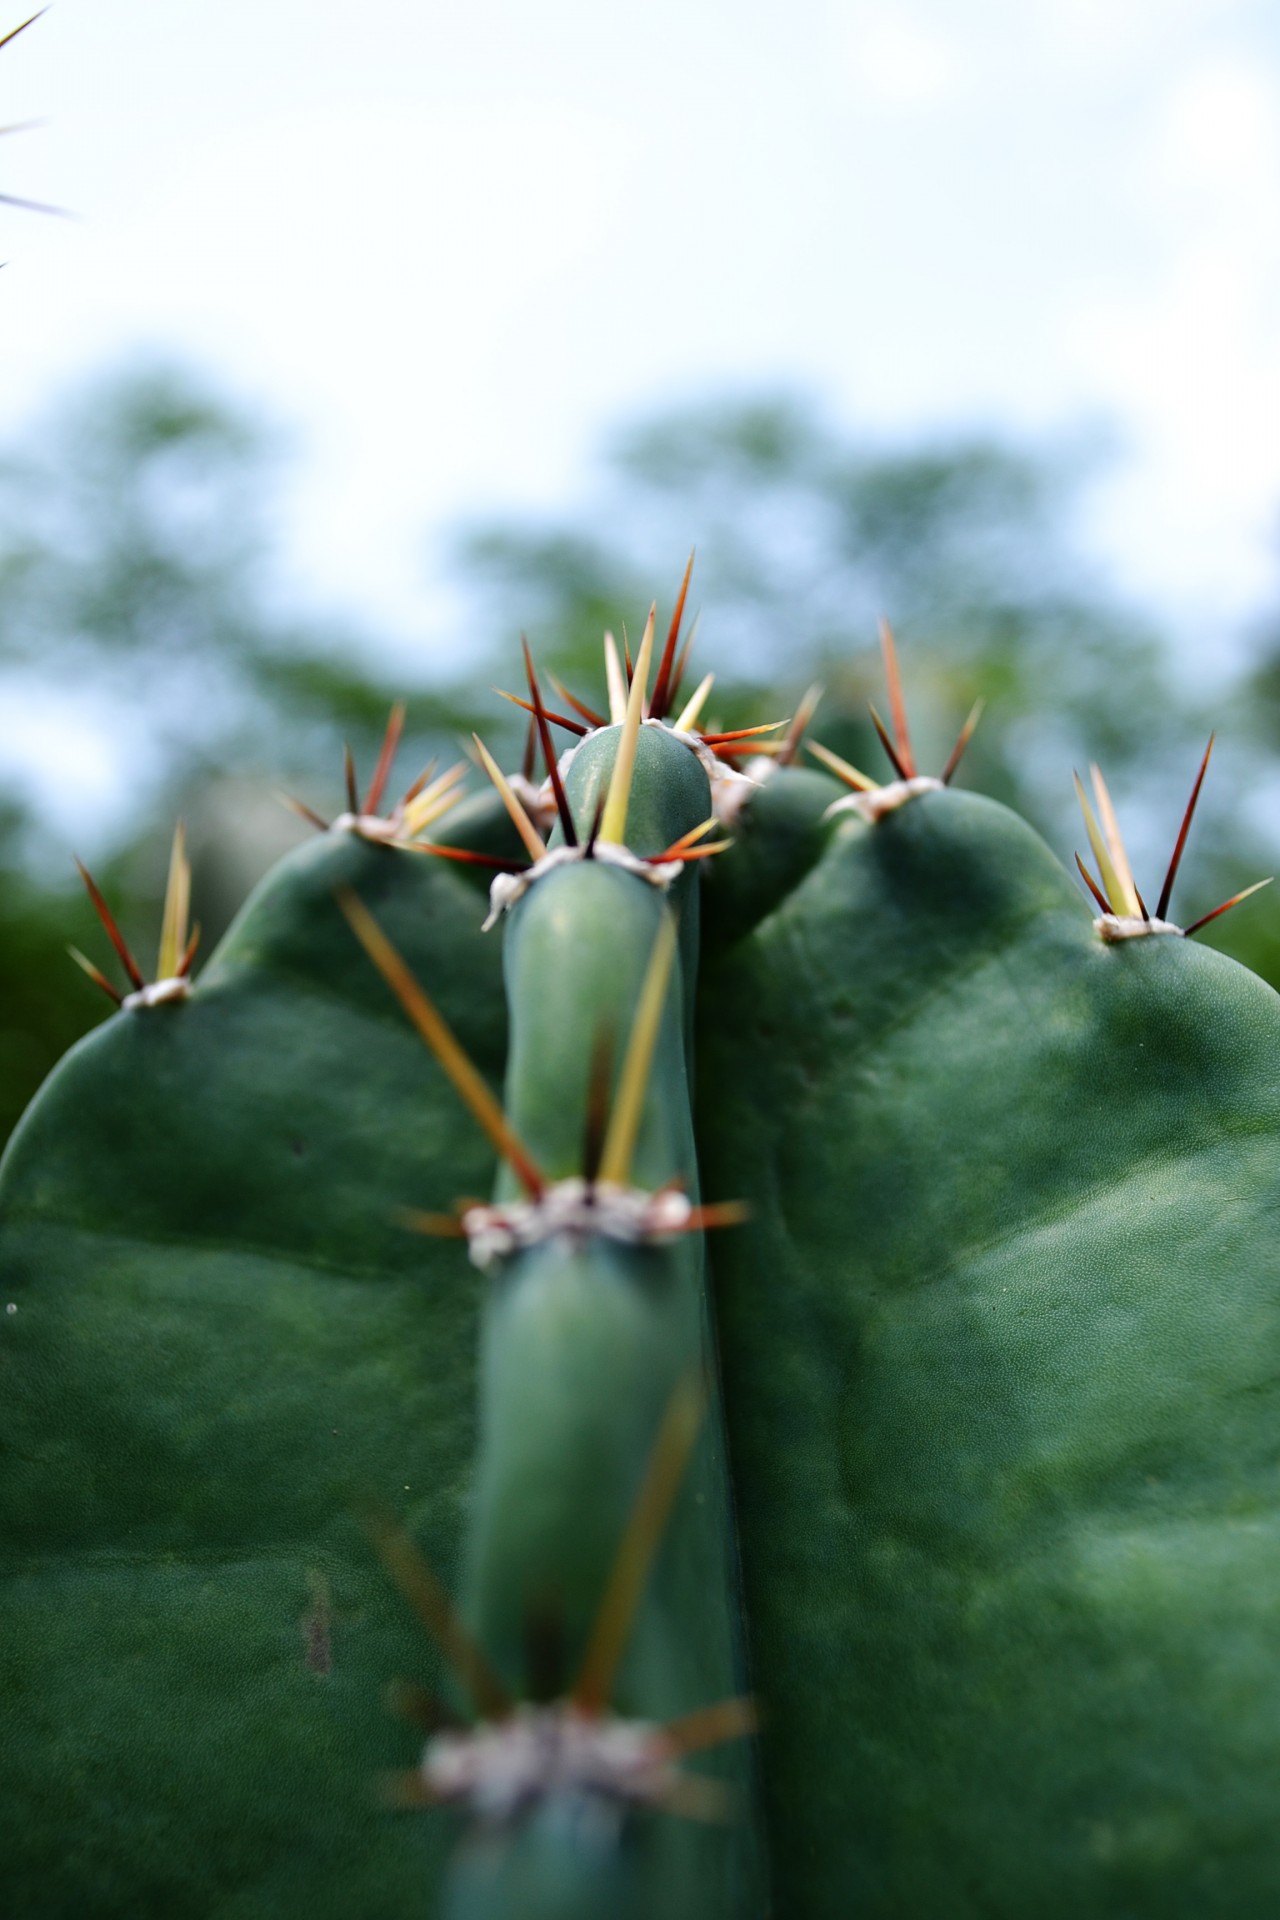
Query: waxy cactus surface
839, 1479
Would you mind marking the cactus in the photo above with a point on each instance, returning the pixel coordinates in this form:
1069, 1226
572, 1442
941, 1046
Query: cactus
952, 1460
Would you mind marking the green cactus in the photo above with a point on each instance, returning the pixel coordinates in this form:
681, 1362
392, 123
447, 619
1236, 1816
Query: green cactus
994, 1359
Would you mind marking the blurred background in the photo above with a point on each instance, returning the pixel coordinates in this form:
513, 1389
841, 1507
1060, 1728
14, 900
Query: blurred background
366, 343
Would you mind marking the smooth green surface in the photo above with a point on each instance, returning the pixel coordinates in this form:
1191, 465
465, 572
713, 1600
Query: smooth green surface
216, 1339
583, 1347
1001, 1352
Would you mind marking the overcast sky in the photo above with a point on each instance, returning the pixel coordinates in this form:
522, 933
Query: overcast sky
453, 244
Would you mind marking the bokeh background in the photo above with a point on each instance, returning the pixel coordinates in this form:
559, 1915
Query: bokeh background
370, 339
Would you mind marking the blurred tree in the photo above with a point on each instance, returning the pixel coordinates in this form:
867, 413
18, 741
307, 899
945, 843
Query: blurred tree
141, 605
805, 538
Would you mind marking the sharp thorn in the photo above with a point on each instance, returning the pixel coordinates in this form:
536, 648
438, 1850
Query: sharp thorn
436, 1611
613, 828
387, 753
349, 774
662, 686
114, 934
95, 974
903, 757
524, 826
1171, 875
1227, 905
567, 827
843, 769
964, 737
899, 764
1103, 903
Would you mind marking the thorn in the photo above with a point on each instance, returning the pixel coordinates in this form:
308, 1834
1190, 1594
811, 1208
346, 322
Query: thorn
589, 714
626, 652
99, 978
177, 908
524, 826
184, 965
1111, 828
696, 1796
965, 736
662, 687
429, 802
405, 1791
1169, 878
596, 818
435, 1610
1226, 906
689, 853
710, 1727
467, 857
719, 1213
529, 758
15, 31
303, 811
114, 934
903, 758
415, 787
1142, 904
645, 1526
1110, 879
803, 715
695, 833
567, 827
688, 718
349, 772
1088, 879
599, 1078
843, 769
613, 828
899, 764
390, 741
677, 679
740, 733
570, 726
467, 1081
437, 1226
628, 1106
616, 684
427, 1711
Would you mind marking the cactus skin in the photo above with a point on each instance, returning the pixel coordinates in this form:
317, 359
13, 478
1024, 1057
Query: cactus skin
222, 1339
998, 1351
1010, 1314
582, 1349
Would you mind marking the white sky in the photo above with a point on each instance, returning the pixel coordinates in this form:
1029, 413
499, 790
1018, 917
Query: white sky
453, 244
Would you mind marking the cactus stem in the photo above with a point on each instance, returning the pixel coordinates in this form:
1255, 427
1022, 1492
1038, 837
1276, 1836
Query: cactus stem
613, 828
431, 1025
843, 769
624, 1121
614, 681
898, 763
688, 718
596, 1124
523, 824
645, 1526
663, 687
435, 1610
965, 735
553, 772
903, 758
1176, 856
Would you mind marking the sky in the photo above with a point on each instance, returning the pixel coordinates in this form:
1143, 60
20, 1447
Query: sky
453, 246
